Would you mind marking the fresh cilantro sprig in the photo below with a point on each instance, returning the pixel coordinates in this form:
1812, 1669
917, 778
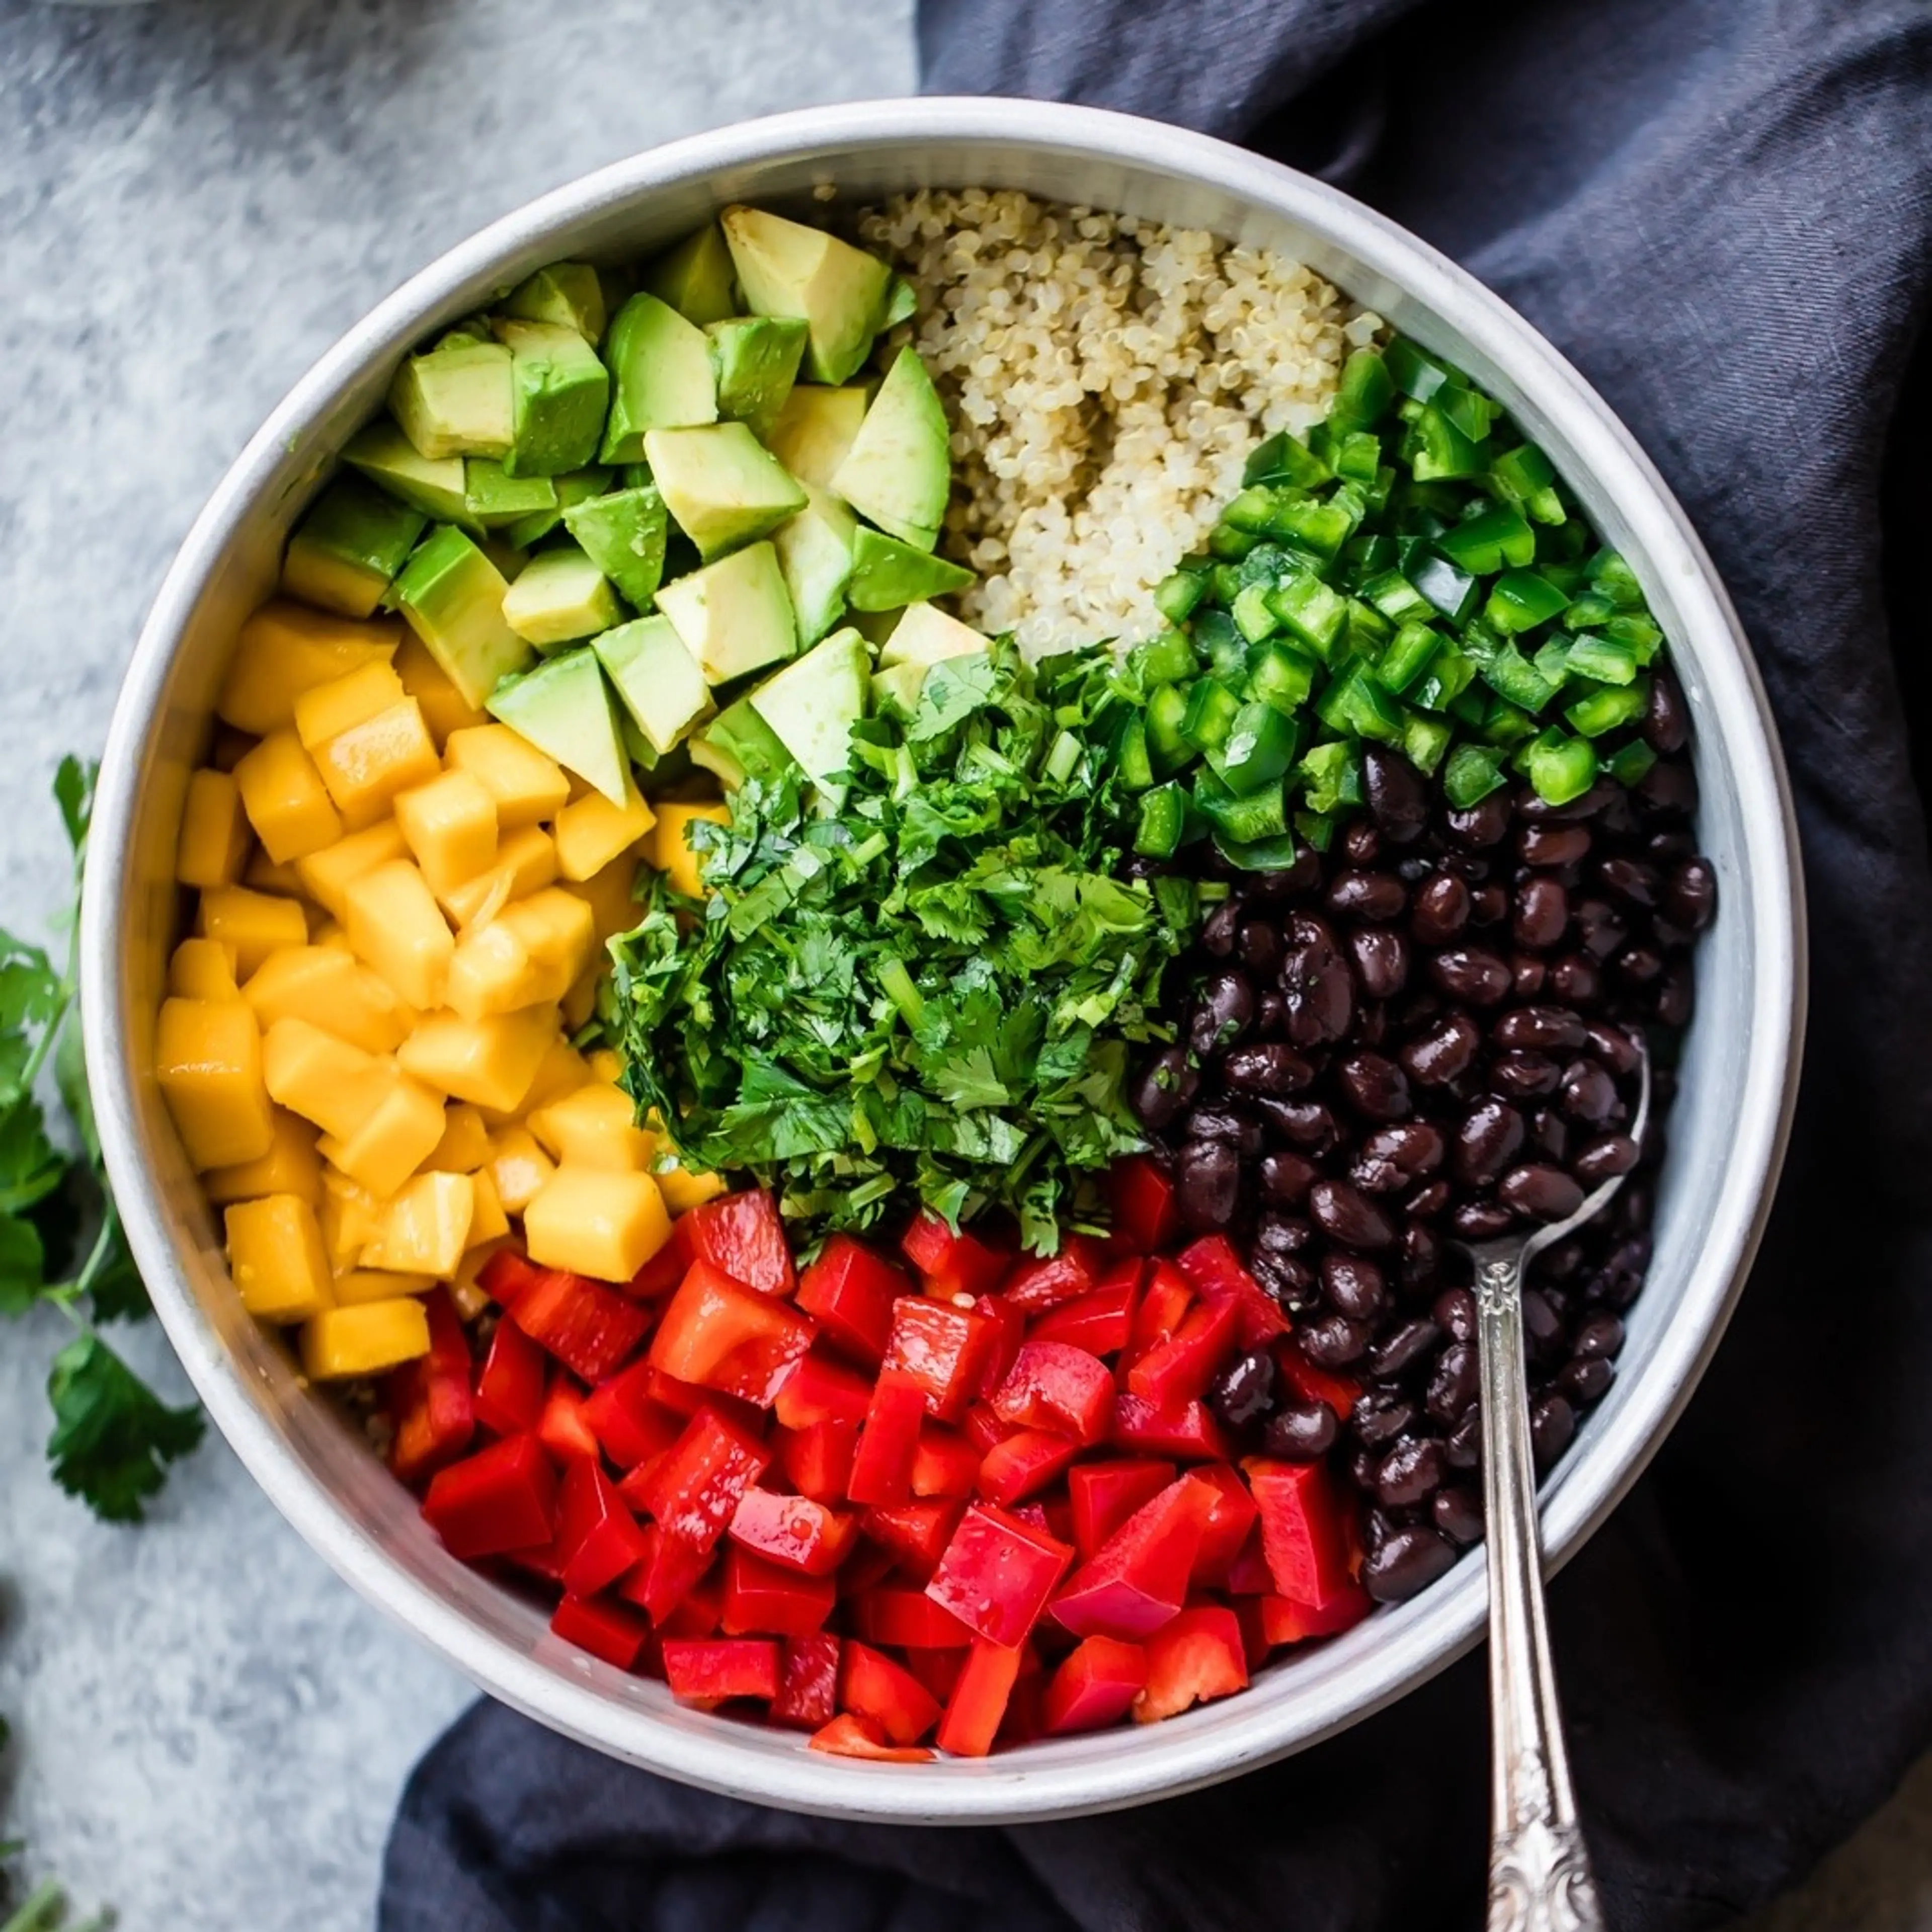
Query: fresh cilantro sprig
928, 993
113, 1438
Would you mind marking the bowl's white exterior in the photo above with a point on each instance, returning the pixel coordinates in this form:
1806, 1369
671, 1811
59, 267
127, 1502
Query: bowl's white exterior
1728, 1133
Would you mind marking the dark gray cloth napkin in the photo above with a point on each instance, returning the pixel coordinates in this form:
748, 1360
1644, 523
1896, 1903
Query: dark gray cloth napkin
1722, 211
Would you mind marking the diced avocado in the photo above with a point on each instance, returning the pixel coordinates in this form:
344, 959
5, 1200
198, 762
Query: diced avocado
897, 687
509, 559
738, 744
814, 429
492, 499
757, 358
624, 534
696, 276
471, 329
886, 573
452, 596
560, 596
559, 393
925, 634
660, 376
563, 707
567, 293
721, 484
431, 484
577, 487
733, 615
815, 552
656, 679
877, 627
812, 704
457, 400
901, 303
351, 543
898, 471
838, 291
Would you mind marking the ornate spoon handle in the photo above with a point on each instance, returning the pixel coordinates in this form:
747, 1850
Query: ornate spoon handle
1540, 1878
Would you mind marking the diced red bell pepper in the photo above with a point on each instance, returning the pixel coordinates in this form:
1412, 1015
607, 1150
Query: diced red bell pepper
944, 1465
540, 1561
563, 1428
866, 1569
762, 1599
429, 1398
1041, 1282
666, 1575
1024, 1721
742, 1235
629, 1424
984, 1430
1145, 1218
820, 1390
1249, 1575
793, 1532
686, 1399
818, 1462
997, 1573
1163, 1306
694, 1490
938, 1670
502, 1498
872, 1687
952, 1264
1304, 1535
713, 1670
698, 1614
916, 1533
808, 1682
1178, 1371
1008, 1326
1023, 1464
979, 1699
510, 1385
1230, 1520
608, 1629
598, 1539
943, 1348
1053, 1386
1059, 1514
1197, 1657
506, 1274
1104, 1494
1189, 1433
848, 1736
1284, 1620
722, 1335
1310, 1384
1216, 1270
908, 1618
1102, 1322
850, 1290
1138, 1579
667, 1268
588, 1326
1097, 1684
882, 1469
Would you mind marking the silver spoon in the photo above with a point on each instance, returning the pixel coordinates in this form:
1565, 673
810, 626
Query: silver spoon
1539, 1876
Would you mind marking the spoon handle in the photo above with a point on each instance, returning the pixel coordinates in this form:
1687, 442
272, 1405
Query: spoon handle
1540, 1877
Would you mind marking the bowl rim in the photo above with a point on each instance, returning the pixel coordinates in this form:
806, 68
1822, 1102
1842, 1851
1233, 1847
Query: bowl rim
1175, 1757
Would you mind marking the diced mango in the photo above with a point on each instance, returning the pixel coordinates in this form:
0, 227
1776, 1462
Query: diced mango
209, 1060
356, 1287
465, 1145
595, 1127
443, 708
275, 1254
526, 863
468, 1293
591, 831
332, 988
399, 1134
290, 1166
285, 798
580, 1002
214, 840
366, 766
608, 892
489, 1223
425, 1229
393, 924
326, 875
450, 824
329, 933
606, 1064
683, 1190
348, 1216
285, 649
490, 1062
323, 1079
342, 1342
251, 924
558, 930
518, 1167
262, 874
596, 1223
671, 853
344, 703
202, 969
491, 972
528, 786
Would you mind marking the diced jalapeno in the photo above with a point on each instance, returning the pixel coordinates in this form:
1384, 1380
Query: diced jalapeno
1397, 598
1135, 763
1167, 659
1424, 740
1452, 591
1365, 393
1527, 478
1512, 676
1608, 660
1521, 600
1163, 816
1259, 814
1281, 458
1607, 707
1563, 770
1331, 777
1252, 617
1631, 763
1167, 749
1258, 750
1310, 609
1437, 449
1415, 373
1485, 544
1175, 597
1279, 675
1210, 715
1473, 771
1408, 657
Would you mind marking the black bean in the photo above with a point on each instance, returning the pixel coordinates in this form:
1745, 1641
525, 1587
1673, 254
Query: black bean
1454, 1382
1241, 1131
1377, 1087
1377, 897
1414, 1149
1408, 1560
1347, 1215
1638, 964
1307, 1124
1240, 1392
1539, 1029
1614, 1047
1398, 1352
1552, 1426
1278, 1234
1455, 1314
1271, 1012
1219, 930
1559, 1263
1600, 797
1585, 1378
1301, 1432
1260, 947
1631, 881
1527, 975
1362, 1474
1542, 1193
1224, 1004
1421, 1256
1207, 1184
1481, 1220
1471, 973
1524, 1076
1669, 788
1428, 1201
1380, 1415
1588, 1094
1463, 1447
1549, 1136
1353, 1285
1398, 800
1666, 717
1542, 912
1285, 1177
1410, 1473
1599, 1160
1489, 905
1457, 1512
1291, 1282
1550, 847
1441, 909
1444, 1053
1479, 826
1380, 955
1272, 1068
1361, 843
1334, 1341
1601, 1335
1486, 1140
1575, 979
1690, 895
1316, 985
1677, 996
1541, 1325
1168, 1084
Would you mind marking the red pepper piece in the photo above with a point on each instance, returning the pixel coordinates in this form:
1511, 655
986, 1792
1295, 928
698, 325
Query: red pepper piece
908, 1618
694, 1490
979, 1699
944, 1465
1163, 1307
1137, 1580
721, 1335
563, 1429
882, 1469
1311, 1384
943, 1348
818, 1462
887, 1696
1197, 1657
713, 1670
1189, 1433
1104, 1494
1216, 1270
1041, 1282
808, 1682
598, 1539
611, 1630
1284, 1620
952, 1264
1059, 1514
763, 1600
742, 1235
938, 1670
1095, 1686
984, 1431
1145, 1218
506, 1274
698, 1614
1024, 1720
793, 1532
1008, 1327
502, 1498
629, 1423
540, 1562
1303, 1533
430, 1400
1023, 1464
1231, 1521
1052, 1386
667, 1574
1101, 1323
1178, 1371
510, 1385
848, 1736
866, 1569
997, 1573
850, 1290
820, 1390
1249, 1575
915, 1533
666, 1268
590, 1328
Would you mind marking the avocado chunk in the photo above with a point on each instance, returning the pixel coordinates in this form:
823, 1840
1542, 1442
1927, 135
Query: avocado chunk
432, 485
560, 595
566, 293
898, 471
457, 400
623, 533
452, 597
563, 707
346, 550
901, 303
657, 680
815, 553
814, 429
734, 615
886, 573
925, 635
738, 744
838, 291
492, 499
757, 358
812, 704
558, 392
896, 688
721, 484
577, 487
660, 374
696, 276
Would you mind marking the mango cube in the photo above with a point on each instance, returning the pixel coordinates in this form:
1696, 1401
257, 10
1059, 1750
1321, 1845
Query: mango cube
285, 798
291, 1165
596, 1223
355, 1288
366, 766
251, 924
595, 1126
285, 649
214, 839
468, 1293
348, 1216
331, 988
525, 862
275, 1254
490, 1062
326, 875
329, 709
591, 831
489, 1223
564, 1070
670, 852
400, 1132
323, 1079
465, 1145
580, 1003
450, 824
444, 708
558, 931
262, 874
606, 1064
393, 925
202, 969
683, 1190
518, 1167
529, 786
209, 1060
342, 1342
426, 1228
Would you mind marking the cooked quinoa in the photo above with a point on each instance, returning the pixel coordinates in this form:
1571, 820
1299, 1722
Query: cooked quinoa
1106, 377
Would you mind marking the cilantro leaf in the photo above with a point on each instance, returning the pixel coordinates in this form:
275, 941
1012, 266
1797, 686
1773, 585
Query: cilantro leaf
113, 1437
74, 793
23, 1264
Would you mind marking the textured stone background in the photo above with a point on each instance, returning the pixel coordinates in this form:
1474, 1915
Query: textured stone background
195, 197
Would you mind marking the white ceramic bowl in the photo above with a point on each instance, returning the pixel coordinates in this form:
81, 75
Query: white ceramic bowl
1728, 1133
